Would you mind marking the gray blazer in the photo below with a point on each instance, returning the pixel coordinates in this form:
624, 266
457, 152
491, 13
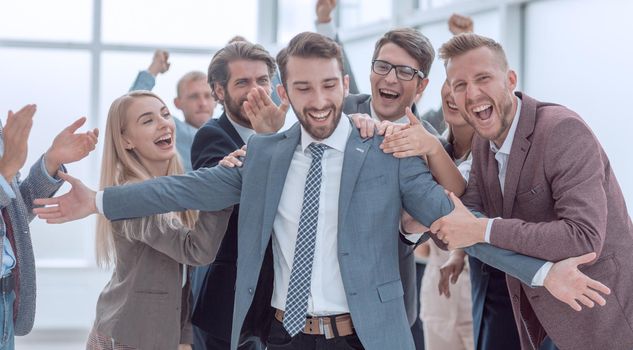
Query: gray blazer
36, 185
374, 188
145, 305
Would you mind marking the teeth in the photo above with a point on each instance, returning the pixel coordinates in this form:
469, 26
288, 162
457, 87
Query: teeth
481, 108
320, 115
388, 92
451, 105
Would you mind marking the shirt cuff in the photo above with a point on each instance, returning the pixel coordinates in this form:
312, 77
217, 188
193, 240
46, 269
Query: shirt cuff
413, 237
539, 278
488, 229
6, 187
326, 29
99, 202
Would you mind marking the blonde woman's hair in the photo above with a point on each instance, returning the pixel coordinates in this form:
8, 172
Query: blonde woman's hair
121, 166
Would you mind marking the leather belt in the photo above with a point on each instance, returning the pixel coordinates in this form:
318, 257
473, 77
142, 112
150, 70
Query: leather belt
322, 325
7, 283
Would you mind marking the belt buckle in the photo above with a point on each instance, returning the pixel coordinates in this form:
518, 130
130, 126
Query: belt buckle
324, 329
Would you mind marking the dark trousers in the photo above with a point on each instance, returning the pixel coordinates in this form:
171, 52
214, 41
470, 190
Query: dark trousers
279, 339
416, 329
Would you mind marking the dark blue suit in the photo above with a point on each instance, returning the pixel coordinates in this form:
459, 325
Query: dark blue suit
213, 285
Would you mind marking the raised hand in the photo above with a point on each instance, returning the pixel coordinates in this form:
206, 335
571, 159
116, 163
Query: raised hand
569, 285
233, 159
451, 270
15, 137
412, 141
160, 63
458, 24
265, 116
324, 10
365, 124
69, 146
78, 203
460, 228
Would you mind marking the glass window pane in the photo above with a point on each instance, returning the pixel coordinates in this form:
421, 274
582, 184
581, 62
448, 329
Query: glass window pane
46, 20
295, 16
354, 13
359, 54
58, 81
198, 23
119, 69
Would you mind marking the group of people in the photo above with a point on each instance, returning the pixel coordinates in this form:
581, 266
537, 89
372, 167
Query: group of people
305, 238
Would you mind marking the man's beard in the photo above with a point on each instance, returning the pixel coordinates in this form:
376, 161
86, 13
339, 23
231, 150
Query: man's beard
235, 110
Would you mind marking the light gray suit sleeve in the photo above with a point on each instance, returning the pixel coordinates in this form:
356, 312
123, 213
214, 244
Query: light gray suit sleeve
426, 201
207, 189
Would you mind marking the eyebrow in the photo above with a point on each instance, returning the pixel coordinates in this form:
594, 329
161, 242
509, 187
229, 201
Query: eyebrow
144, 115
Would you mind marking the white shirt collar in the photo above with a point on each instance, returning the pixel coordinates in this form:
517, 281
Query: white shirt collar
402, 120
338, 139
244, 132
507, 143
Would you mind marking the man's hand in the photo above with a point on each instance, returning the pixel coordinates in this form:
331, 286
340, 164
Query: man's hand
265, 116
70, 147
451, 270
387, 128
411, 225
365, 124
160, 63
78, 203
459, 24
324, 10
233, 159
413, 141
460, 228
16, 137
567, 284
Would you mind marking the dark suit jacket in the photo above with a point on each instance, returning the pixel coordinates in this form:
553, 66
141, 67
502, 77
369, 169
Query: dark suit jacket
561, 199
213, 310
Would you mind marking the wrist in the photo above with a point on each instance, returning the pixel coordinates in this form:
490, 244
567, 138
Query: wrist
327, 19
153, 70
51, 162
482, 224
7, 172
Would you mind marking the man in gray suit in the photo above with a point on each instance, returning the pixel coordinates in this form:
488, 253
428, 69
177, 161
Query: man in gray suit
319, 205
17, 282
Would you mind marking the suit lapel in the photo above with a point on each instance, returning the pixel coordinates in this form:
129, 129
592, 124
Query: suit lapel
225, 123
364, 107
518, 152
355, 152
279, 165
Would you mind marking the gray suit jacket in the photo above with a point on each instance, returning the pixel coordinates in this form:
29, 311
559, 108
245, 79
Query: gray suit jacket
145, 305
374, 188
37, 185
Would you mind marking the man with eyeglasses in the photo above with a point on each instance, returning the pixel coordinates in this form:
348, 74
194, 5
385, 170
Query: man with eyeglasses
400, 65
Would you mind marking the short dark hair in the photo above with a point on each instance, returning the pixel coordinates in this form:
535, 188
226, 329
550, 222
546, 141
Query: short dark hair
308, 45
411, 41
238, 50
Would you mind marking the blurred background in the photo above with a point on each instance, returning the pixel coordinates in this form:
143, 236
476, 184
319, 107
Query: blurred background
73, 57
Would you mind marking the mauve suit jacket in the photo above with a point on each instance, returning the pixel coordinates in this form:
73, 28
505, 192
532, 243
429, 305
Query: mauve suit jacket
561, 199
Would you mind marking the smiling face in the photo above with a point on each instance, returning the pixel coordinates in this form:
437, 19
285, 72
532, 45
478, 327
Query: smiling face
390, 95
315, 87
149, 133
483, 89
449, 108
244, 75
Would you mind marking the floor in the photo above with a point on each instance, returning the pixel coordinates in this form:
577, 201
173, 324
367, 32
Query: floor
53, 340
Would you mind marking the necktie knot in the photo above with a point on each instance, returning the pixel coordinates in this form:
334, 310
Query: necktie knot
317, 149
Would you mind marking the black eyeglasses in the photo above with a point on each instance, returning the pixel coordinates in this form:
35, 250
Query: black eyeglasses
402, 72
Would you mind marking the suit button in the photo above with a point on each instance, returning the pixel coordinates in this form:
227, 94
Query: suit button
515, 299
352, 294
344, 253
250, 290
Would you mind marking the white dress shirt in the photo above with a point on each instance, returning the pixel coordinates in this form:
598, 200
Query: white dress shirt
502, 155
244, 132
327, 295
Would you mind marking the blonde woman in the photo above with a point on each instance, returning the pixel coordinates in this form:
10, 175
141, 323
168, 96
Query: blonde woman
145, 304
